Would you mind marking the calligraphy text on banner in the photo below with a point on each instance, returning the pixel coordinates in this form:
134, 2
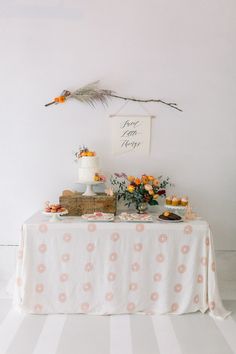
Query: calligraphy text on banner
131, 134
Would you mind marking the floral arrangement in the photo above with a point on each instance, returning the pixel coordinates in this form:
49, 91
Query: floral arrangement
84, 151
133, 190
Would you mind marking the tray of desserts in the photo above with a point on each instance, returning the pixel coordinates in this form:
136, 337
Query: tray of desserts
54, 210
177, 205
98, 217
135, 217
167, 216
176, 202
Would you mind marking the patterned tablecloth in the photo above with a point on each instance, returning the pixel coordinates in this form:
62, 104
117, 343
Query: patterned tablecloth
111, 268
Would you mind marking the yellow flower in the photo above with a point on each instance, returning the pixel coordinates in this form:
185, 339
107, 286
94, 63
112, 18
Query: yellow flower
96, 177
151, 192
137, 181
150, 178
155, 196
156, 182
131, 188
131, 178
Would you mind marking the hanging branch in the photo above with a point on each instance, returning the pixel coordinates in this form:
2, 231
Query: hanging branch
170, 104
92, 94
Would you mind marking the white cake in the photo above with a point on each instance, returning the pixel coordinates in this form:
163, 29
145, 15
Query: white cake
88, 166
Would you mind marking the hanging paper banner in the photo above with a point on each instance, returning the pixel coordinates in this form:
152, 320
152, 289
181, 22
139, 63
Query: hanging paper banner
131, 134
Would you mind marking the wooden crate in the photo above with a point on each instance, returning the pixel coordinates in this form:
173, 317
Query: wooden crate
77, 204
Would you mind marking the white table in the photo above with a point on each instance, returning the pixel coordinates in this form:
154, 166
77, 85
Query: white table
111, 268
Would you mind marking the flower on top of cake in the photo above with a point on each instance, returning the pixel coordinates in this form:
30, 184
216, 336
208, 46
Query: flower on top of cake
88, 169
84, 152
99, 177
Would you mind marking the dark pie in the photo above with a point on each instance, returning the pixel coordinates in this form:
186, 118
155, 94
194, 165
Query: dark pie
167, 215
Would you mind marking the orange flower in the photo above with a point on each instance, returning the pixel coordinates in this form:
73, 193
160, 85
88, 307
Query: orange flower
151, 192
156, 182
150, 178
137, 181
144, 179
60, 99
131, 188
131, 178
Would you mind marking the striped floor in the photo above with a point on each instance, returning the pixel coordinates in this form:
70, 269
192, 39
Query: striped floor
124, 334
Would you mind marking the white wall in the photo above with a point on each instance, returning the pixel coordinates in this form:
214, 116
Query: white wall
176, 50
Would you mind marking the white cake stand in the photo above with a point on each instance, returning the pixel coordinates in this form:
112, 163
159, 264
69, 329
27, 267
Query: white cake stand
178, 209
55, 217
89, 192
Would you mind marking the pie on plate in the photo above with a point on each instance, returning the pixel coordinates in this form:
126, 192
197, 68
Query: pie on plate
169, 217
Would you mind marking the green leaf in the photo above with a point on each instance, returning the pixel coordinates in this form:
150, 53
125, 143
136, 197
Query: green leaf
153, 202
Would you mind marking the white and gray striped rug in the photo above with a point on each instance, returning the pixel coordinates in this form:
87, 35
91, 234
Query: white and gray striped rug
124, 334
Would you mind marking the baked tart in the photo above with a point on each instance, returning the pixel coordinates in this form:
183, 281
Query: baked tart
167, 215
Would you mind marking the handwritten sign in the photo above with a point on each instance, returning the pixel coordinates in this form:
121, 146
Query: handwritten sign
131, 134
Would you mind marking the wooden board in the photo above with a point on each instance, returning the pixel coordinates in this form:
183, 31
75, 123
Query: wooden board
78, 204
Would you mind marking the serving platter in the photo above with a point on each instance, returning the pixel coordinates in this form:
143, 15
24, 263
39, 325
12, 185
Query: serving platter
98, 217
170, 221
135, 217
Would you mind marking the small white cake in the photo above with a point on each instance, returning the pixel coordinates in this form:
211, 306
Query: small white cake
88, 166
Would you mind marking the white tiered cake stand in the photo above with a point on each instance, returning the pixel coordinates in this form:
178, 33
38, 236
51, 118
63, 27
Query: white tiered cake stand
89, 192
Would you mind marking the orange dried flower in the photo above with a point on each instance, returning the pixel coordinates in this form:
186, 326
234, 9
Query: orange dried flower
60, 99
